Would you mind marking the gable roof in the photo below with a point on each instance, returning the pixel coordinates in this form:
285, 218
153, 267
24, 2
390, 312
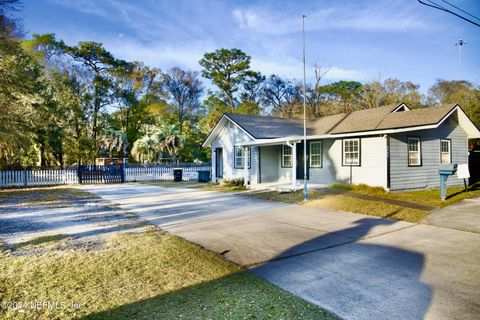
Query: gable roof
369, 120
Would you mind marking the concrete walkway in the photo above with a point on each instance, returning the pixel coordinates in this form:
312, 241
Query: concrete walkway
464, 215
357, 266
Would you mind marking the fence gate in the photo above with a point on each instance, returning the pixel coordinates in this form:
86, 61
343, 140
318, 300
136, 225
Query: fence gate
101, 174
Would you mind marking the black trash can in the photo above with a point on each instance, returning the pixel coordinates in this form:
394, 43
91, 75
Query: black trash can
203, 176
177, 175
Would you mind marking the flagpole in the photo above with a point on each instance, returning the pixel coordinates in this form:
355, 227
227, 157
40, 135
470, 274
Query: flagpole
305, 191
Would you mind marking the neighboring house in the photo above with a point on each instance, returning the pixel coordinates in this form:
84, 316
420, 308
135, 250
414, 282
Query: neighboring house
393, 147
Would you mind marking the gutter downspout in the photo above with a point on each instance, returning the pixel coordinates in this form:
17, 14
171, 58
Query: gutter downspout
294, 163
246, 156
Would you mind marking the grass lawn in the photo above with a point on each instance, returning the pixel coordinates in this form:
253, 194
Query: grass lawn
138, 275
222, 187
342, 197
173, 184
429, 197
45, 195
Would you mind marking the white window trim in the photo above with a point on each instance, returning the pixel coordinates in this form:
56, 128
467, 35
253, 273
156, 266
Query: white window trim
317, 154
287, 155
356, 163
419, 164
449, 153
235, 157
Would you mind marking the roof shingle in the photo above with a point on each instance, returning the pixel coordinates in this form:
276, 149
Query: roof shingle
261, 127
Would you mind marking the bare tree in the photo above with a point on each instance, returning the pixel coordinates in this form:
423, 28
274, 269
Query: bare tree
314, 94
184, 89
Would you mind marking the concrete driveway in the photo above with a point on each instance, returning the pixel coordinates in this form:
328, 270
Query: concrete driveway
356, 266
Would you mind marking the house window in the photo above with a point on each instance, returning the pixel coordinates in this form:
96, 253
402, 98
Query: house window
445, 152
351, 152
414, 152
239, 157
316, 154
286, 156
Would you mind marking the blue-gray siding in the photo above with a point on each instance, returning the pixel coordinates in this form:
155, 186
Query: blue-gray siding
426, 176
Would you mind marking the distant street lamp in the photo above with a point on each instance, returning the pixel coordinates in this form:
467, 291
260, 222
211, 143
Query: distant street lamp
460, 44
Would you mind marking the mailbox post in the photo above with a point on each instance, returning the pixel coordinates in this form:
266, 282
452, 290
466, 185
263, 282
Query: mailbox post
444, 171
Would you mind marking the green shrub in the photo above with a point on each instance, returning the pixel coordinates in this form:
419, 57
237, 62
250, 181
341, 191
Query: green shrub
238, 182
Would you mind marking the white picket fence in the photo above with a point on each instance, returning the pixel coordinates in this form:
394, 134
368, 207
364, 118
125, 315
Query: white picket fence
36, 178
151, 174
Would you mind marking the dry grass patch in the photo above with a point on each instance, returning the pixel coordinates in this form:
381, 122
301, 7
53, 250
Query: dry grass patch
222, 187
143, 276
348, 203
44, 196
342, 197
173, 184
430, 197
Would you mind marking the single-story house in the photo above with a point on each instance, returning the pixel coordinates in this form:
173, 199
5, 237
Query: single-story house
393, 147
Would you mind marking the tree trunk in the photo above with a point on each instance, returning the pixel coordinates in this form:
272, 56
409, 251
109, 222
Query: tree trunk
43, 161
230, 101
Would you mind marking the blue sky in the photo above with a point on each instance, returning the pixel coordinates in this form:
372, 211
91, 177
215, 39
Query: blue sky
358, 40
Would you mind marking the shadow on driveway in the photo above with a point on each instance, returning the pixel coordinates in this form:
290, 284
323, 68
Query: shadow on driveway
355, 280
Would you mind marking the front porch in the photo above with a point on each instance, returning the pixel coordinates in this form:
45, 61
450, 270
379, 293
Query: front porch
278, 166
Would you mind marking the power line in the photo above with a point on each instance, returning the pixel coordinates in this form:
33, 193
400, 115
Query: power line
460, 9
439, 7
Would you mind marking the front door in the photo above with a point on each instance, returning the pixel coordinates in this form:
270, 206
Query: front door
219, 163
300, 171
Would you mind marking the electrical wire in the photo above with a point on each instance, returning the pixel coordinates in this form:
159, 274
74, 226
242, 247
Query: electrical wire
460, 9
439, 7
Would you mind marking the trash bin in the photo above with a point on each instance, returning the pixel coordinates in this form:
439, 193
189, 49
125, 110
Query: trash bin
203, 176
177, 175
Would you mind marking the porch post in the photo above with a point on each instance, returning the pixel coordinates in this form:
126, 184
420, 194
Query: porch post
245, 166
294, 164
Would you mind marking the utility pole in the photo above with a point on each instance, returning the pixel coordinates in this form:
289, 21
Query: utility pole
460, 44
305, 191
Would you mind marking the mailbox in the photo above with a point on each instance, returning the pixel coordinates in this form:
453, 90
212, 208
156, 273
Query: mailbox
444, 171
448, 169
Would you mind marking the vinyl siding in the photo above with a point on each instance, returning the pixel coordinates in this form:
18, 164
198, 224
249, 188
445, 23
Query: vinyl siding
271, 165
426, 176
231, 136
372, 169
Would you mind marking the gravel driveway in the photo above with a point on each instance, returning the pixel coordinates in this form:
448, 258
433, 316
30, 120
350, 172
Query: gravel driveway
87, 221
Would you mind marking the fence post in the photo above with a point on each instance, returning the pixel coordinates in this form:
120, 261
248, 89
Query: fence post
25, 180
79, 173
124, 170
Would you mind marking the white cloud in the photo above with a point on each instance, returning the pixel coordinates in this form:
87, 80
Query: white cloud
159, 54
390, 16
291, 69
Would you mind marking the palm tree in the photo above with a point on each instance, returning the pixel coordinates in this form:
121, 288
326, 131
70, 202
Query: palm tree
145, 148
170, 139
114, 140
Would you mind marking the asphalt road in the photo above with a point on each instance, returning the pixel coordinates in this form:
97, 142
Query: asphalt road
356, 266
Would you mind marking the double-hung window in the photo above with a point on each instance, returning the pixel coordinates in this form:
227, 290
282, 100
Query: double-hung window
316, 154
445, 152
286, 156
240, 156
414, 152
351, 152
